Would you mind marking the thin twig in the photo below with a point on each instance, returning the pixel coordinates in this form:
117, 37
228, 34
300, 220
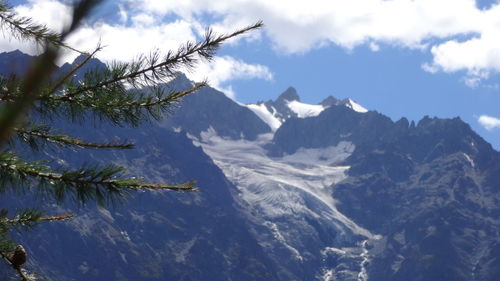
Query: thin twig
40, 37
172, 97
76, 142
75, 69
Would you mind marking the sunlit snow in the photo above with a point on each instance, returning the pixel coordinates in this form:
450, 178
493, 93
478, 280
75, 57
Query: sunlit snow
304, 110
261, 111
276, 187
275, 184
356, 107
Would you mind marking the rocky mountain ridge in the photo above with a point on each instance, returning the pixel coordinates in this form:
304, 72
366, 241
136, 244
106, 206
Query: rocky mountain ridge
290, 191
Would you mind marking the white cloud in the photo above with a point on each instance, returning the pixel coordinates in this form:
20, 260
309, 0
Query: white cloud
489, 122
145, 32
296, 26
43, 12
458, 35
52, 13
226, 68
138, 32
123, 43
374, 47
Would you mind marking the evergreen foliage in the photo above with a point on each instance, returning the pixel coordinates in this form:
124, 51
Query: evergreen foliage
123, 94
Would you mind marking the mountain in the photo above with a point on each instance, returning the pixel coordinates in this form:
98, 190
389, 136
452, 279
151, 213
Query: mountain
426, 189
288, 105
212, 109
153, 235
15, 62
289, 191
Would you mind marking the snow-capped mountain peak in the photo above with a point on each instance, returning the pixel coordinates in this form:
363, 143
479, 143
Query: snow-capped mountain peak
288, 105
355, 106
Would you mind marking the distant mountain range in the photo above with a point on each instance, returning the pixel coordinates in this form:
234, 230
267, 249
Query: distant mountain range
289, 191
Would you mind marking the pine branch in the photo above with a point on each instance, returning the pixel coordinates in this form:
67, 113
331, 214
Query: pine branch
96, 184
39, 71
24, 28
24, 218
73, 71
169, 99
30, 217
44, 133
115, 103
58, 218
20, 271
185, 56
9, 88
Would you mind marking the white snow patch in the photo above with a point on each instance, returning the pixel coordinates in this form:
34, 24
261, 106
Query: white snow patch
468, 158
278, 236
396, 265
124, 257
304, 110
363, 274
183, 249
106, 214
125, 235
277, 185
356, 107
137, 217
337, 251
263, 113
324, 156
360, 254
329, 275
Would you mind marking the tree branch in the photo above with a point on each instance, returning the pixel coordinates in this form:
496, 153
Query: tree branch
204, 49
73, 71
20, 272
64, 139
25, 28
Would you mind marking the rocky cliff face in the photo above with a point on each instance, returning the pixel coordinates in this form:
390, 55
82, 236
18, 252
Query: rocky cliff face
428, 189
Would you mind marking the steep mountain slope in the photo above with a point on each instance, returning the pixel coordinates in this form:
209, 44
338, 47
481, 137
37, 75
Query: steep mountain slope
211, 108
156, 235
153, 236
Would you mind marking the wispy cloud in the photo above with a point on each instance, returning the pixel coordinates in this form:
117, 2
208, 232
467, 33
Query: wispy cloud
489, 122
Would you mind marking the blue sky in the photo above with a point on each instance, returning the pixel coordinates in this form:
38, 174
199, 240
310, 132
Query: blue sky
402, 58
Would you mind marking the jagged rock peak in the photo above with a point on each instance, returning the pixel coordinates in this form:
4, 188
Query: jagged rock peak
14, 53
329, 101
289, 94
93, 62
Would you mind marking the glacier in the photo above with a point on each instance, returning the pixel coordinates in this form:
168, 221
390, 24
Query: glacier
286, 191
